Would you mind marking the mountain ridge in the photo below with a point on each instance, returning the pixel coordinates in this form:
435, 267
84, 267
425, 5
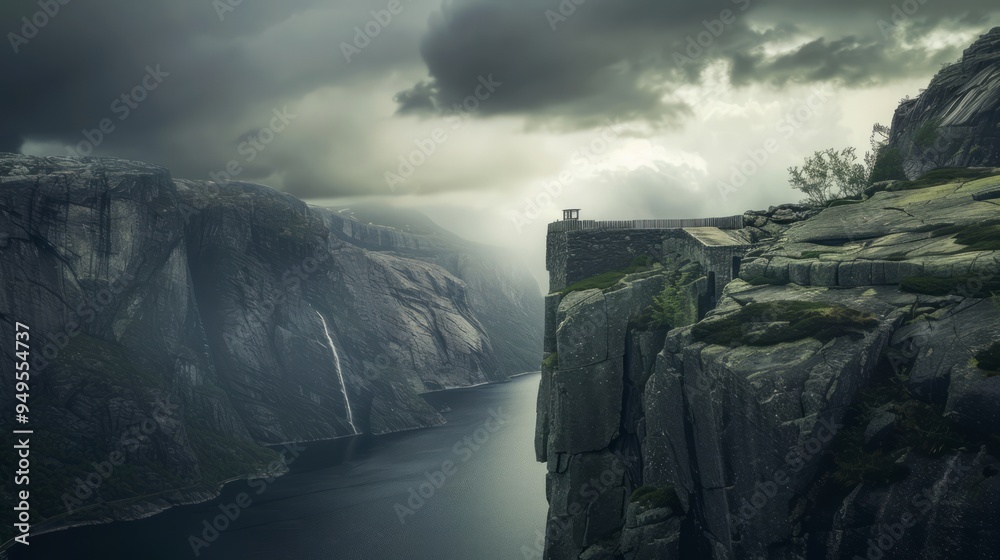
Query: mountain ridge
261, 319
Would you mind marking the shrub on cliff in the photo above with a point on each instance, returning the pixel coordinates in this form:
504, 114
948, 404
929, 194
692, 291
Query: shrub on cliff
829, 174
883, 162
675, 306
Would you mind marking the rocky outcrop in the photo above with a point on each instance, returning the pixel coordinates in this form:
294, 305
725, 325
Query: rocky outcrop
953, 123
838, 402
178, 326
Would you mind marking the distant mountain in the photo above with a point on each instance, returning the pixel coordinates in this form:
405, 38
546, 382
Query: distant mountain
177, 326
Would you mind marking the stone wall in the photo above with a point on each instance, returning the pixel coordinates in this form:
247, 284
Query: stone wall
572, 256
721, 263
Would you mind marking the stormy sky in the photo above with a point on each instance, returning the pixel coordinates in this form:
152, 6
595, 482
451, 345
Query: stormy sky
488, 115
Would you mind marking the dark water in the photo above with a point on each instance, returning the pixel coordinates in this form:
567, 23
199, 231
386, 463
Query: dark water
338, 500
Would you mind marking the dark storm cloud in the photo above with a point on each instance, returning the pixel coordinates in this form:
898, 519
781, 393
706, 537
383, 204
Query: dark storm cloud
67, 74
850, 60
576, 64
219, 76
223, 71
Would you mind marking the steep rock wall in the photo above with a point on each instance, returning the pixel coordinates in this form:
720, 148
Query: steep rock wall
755, 433
955, 122
217, 318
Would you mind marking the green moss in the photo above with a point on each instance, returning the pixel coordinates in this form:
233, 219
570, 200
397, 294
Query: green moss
551, 361
606, 280
965, 285
767, 281
942, 177
655, 497
980, 237
988, 360
821, 321
842, 202
599, 282
815, 254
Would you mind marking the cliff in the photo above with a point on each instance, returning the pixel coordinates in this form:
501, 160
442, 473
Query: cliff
839, 397
180, 326
953, 123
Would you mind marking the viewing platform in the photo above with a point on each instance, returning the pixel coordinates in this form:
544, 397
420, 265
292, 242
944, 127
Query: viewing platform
574, 224
578, 249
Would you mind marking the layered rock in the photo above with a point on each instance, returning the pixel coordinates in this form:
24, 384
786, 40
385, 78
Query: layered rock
181, 325
836, 403
953, 123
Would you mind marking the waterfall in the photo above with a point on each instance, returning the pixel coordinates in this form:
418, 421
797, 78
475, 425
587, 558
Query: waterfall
340, 373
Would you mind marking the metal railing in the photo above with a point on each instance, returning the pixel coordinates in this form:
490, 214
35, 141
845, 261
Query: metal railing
728, 222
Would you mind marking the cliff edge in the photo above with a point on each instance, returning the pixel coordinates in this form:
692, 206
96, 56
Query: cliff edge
838, 398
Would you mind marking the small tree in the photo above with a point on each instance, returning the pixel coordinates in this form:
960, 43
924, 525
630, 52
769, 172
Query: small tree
883, 162
674, 307
828, 175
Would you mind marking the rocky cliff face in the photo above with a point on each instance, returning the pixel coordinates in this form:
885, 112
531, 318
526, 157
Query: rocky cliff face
177, 326
956, 121
842, 400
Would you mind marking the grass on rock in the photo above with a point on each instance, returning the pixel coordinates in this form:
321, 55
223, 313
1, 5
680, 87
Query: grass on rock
943, 177
551, 361
966, 285
606, 280
919, 426
801, 319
